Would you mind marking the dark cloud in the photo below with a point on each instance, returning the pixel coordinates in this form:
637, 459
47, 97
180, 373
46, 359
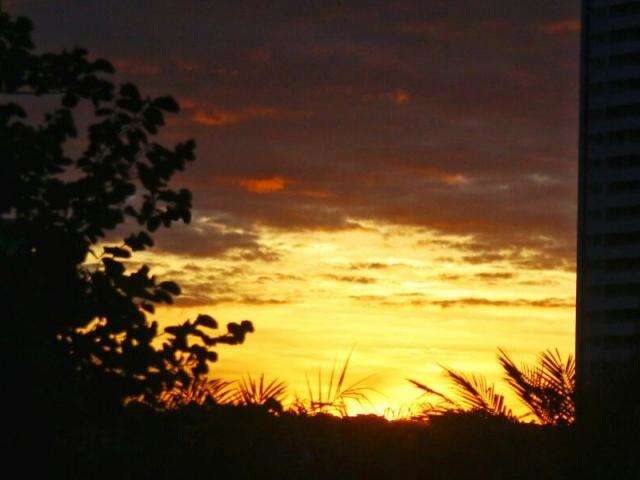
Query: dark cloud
279, 277
351, 279
370, 266
257, 300
208, 238
449, 277
420, 300
491, 277
382, 300
201, 288
541, 255
201, 300
487, 277
412, 299
195, 300
538, 283
483, 258
457, 116
482, 302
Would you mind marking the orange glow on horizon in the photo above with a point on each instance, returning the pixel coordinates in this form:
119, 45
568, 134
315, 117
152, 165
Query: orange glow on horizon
403, 299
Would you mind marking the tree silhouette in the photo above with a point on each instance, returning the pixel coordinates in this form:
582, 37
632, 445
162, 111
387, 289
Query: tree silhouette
76, 321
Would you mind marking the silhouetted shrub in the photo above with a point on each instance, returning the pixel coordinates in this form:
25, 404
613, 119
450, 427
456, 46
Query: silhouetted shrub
76, 328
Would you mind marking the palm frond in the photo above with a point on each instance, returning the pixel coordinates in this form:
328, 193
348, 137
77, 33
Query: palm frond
429, 407
559, 374
430, 391
198, 392
546, 388
525, 381
478, 395
257, 391
473, 392
331, 395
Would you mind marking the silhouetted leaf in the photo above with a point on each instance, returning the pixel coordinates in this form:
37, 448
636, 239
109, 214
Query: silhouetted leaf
171, 287
153, 224
153, 116
113, 267
102, 65
129, 90
175, 330
148, 307
166, 103
212, 356
117, 252
206, 321
138, 241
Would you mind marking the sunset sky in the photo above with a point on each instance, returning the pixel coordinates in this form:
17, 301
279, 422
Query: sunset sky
394, 177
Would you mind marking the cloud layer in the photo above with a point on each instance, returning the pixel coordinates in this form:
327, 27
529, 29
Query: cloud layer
455, 116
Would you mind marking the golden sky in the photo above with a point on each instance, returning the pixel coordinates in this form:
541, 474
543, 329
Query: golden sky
399, 179
403, 299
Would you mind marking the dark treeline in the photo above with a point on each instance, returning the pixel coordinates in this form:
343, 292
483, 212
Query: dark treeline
250, 443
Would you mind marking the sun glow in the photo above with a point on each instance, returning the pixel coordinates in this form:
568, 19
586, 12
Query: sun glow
404, 299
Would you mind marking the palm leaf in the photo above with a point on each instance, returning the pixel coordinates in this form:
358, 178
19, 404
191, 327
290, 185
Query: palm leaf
430, 391
546, 388
257, 391
332, 396
526, 383
198, 392
478, 395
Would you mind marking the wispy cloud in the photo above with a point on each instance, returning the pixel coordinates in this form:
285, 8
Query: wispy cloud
221, 117
351, 279
487, 302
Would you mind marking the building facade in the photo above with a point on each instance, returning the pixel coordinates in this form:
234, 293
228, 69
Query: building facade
608, 293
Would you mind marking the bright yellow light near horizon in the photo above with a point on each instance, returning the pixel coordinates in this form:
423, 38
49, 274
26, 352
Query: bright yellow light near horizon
376, 291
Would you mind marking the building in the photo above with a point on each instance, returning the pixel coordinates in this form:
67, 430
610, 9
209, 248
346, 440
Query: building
608, 293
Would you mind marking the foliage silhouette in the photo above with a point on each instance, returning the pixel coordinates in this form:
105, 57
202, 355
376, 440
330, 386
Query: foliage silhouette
199, 392
330, 398
330, 395
476, 396
84, 331
258, 391
546, 388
